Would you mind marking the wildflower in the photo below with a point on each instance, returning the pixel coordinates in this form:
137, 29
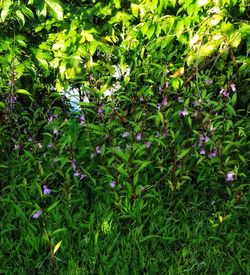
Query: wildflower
99, 110
82, 119
77, 173
73, 163
230, 176
30, 139
202, 152
164, 101
160, 88
82, 176
206, 139
11, 101
46, 190
148, 144
112, 184
167, 84
212, 128
98, 150
224, 92
37, 214
233, 87
183, 113
50, 145
138, 136
55, 132
159, 106
213, 154
196, 113
52, 117
92, 155
180, 99
142, 188
125, 134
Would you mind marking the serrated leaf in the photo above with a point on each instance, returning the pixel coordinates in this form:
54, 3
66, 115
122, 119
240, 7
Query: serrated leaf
57, 247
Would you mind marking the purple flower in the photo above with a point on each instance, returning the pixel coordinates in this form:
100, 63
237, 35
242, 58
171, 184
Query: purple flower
138, 136
37, 214
167, 84
148, 144
164, 101
230, 176
125, 134
233, 87
77, 173
46, 190
82, 119
180, 99
224, 92
50, 145
160, 88
98, 150
212, 128
73, 163
82, 176
206, 139
40, 146
99, 110
213, 154
183, 113
202, 152
55, 132
159, 106
51, 118
113, 184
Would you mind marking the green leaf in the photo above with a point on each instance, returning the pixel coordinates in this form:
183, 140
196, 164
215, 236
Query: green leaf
135, 9
6, 6
52, 206
56, 8
183, 153
57, 247
21, 18
143, 165
2, 105
24, 92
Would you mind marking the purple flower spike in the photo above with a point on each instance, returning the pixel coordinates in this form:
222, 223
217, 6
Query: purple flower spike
77, 173
37, 214
148, 144
98, 150
46, 190
138, 137
230, 176
113, 184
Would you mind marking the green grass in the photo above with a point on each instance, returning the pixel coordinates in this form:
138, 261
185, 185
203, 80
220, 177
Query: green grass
145, 236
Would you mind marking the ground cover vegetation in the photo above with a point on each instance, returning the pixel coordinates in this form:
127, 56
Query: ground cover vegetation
149, 178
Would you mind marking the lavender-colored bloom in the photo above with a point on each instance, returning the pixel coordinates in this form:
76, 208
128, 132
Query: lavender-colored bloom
30, 139
206, 139
77, 173
125, 134
213, 154
159, 106
224, 92
50, 145
82, 119
138, 136
183, 113
148, 144
46, 190
73, 163
112, 184
212, 129
230, 176
164, 101
202, 152
233, 87
55, 132
11, 101
37, 214
98, 150
99, 110
52, 117
160, 88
